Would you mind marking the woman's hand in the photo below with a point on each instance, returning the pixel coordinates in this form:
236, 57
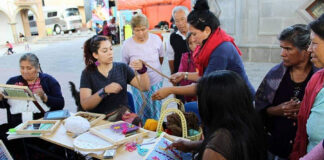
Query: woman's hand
42, 95
287, 109
291, 111
182, 145
161, 93
113, 88
136, 65
177, 77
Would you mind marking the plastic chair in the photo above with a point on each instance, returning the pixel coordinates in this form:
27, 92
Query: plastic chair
193, 107
131, 102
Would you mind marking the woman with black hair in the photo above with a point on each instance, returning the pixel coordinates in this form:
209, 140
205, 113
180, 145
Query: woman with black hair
234, 129
103, 85
46, 90
278, 96
216, 51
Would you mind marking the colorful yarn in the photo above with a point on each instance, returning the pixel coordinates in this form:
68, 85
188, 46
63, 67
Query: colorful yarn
141, 151
151, 124
130, 146
193, 132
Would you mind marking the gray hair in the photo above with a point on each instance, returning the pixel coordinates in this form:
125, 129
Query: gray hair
180, 8
139, 20
298, 35
32, 59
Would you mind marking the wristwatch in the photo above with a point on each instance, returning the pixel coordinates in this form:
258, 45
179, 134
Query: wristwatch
186, 76
102, 93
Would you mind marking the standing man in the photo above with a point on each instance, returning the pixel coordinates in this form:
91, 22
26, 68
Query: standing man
177, 42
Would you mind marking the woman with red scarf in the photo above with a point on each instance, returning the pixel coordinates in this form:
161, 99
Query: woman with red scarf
216, 51
310, 129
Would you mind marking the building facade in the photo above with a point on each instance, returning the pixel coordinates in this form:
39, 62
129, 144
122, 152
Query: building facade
14, 19
255, 24
14, 16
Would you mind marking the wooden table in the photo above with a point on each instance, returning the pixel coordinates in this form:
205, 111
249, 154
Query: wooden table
62, 139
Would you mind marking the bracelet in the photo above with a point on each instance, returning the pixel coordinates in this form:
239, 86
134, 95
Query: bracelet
186, 76
143, 70
102, 93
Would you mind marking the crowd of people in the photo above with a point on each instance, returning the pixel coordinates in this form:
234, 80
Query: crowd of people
281, 120
108, 29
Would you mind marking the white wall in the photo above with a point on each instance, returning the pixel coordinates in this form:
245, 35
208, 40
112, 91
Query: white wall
258, 22
19, 25
5, 30
255, 24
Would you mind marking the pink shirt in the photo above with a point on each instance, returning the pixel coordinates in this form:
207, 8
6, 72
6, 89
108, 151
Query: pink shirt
9, 45
149, 52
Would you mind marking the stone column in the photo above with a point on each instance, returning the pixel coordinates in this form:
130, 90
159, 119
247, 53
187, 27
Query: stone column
40, 20
14, 31
24, 17
83, 16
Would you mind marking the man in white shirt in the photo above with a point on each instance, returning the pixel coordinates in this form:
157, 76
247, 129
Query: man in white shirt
177, 41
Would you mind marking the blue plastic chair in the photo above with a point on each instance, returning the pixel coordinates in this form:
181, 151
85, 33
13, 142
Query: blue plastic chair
131, 102
193, 107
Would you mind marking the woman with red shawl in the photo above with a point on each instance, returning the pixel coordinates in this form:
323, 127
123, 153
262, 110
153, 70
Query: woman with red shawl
310, 129
216, 51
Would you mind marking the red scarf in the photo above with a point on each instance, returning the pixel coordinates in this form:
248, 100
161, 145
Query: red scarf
313, 87
201, 56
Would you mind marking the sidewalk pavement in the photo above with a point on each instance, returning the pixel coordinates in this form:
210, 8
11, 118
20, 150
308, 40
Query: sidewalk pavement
64, 61
20, 48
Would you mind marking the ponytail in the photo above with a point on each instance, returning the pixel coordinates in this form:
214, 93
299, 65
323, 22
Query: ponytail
91, 46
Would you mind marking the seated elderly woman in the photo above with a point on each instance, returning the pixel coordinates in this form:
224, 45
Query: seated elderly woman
234, 130
310, 129
279, 95
46, 89
103, 85
48, 93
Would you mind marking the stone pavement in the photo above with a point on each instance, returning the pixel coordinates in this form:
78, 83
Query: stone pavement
20, 48
64, 61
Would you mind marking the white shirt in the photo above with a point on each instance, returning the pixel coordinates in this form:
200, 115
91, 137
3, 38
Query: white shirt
169, 49
19, 106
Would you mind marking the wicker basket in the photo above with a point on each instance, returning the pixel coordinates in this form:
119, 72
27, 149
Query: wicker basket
168, 101
183, 124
